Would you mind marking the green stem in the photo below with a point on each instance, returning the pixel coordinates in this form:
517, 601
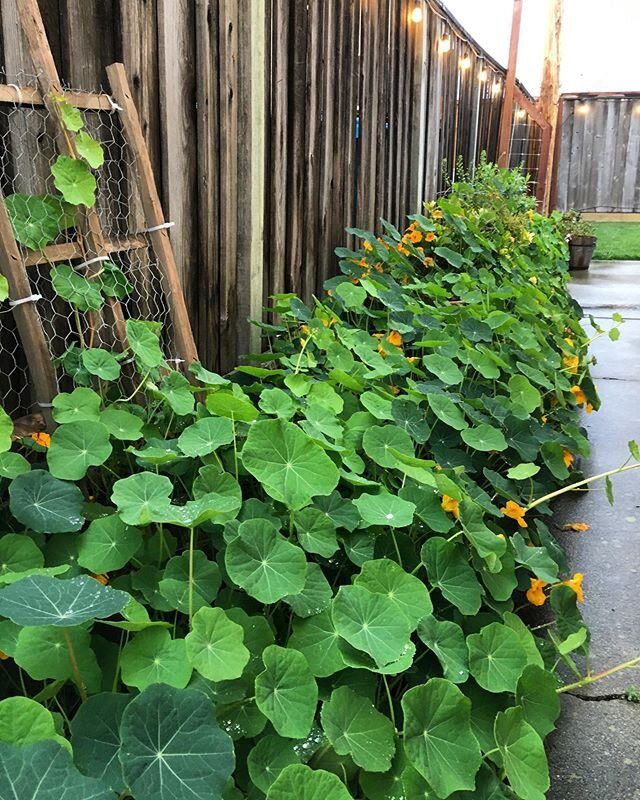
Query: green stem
302, 349
574, 486
191, 537
395, 544
74, 665
389, 701
593, 678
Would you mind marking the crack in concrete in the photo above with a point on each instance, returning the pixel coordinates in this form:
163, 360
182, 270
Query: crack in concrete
601, 697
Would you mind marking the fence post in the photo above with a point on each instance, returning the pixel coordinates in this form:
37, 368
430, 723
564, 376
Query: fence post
506, 120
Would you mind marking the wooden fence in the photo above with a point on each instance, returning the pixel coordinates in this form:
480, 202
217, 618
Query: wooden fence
598, 157
275, 124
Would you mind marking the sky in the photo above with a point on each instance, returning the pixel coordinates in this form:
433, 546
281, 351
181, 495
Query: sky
600, 41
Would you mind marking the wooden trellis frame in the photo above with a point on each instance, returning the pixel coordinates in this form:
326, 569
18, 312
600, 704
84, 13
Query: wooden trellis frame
91, 242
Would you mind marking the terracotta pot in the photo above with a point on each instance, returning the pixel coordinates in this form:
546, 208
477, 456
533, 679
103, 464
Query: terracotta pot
581, 251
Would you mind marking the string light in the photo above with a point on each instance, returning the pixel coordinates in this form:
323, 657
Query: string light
583, 108
636, 108
417, 15
465, 61
497, 87
521, 113
483, 75
444, 43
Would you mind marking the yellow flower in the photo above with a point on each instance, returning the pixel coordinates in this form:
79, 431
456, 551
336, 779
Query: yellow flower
501, 536
367, 246
544, 419
430, 237
575, 583
394, 338
588, 408
581, 397
530, 214
576, 526
569, 341
528, 236
514, 511
535, 593
436, 213
402, 249
412, 359
533, 280
567, 457
571, 362
304, 329
450, 505
43, 439
428, 262
394, 389
378, 267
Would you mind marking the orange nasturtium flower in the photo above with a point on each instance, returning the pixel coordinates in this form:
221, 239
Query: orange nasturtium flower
367, 246
514, 511
43, 439
430, 237
581, 397
576, 526
394, 338
535, 593
571, 362
413, 236
429, 262
103, 579
575, 583
402, 249
451, 505
436, 213
567, 457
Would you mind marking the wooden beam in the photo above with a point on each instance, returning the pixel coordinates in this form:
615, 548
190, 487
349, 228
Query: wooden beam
550, 90
28, 96
49, 81
69, 251
28, 322
185, 345
506, 120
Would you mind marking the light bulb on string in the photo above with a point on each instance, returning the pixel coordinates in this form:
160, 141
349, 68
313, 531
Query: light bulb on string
483, 76
465, 62
416, 16
521, 114
444, 43
497, 87
583, 108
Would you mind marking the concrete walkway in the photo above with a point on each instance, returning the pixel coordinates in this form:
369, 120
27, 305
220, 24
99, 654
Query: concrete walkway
595, 752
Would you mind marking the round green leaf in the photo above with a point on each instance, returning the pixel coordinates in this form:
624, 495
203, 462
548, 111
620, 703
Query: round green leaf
36, 221
6, 429
144, 342
444, 368
263, 563
267, 760
291, 466
44, 771
354, 727
299, 782
277, 403
45, 504
523, 471
316, 638
316, 532
79, 291
379, 440
523, 395
73, 179
108, 544
523, 755
152, 656
315, 596
77, 446
205, 436
101, 363
43, 653
122, 425
19, 553
80, 405
449, 570
215, 645
446, 640
385, 509
352, 296
95, 737
172, 747
438, 738
13, 464
406, 592
90, 150
205, 581
43, 600
286, 692
141, 498
496, 658
536, 692
446, 410
23, 721
484, 438
176, 390
370, 622
224, 403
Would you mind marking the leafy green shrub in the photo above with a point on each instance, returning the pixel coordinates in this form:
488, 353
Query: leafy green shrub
301, 580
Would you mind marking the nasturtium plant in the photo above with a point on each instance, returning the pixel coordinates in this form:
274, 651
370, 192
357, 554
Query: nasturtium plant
303, 580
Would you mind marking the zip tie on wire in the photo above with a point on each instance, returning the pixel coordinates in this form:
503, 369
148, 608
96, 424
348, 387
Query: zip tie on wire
91, 261
160, 227
44, 405
31, 299
175, 360
129, 361
113, 104
18, 90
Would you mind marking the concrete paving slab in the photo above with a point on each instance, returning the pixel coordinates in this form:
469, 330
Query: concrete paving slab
596, 749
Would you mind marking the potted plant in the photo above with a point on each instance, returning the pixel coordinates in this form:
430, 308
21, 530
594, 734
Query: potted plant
580, 236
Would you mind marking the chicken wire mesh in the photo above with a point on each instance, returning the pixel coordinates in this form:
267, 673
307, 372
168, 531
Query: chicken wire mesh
27, 152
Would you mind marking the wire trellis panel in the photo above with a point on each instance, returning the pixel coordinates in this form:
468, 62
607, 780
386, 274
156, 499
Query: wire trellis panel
28, 148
